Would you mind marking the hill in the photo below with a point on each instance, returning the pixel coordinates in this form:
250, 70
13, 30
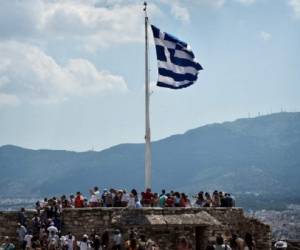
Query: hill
252, 158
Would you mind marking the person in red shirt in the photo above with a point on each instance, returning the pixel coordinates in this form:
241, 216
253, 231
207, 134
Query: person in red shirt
169, 201
148, 198
79, 200
184, 202
183, 244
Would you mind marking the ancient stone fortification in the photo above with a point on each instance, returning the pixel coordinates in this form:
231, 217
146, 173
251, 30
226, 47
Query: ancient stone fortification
199, 225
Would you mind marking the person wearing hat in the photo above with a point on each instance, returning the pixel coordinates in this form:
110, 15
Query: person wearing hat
280, 245
97, 243
52, 228
84, 244
7, 245
117, 240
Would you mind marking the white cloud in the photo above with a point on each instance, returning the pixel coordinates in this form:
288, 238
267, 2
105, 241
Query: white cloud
218, 3
295, 4
245, 2
103, 25
28, 74
211, 3
177, 10
265, 35
180, 12
90, 21
8, 100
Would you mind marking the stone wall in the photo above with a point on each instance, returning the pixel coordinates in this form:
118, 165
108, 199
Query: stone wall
234, 220
8, 224
165, 226
150, 222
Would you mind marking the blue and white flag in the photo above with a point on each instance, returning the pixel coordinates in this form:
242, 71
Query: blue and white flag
177, 67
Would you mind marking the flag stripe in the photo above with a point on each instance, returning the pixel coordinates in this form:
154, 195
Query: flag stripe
173, 39
176, 68
172, 86
170, 80
183, 54
177, 77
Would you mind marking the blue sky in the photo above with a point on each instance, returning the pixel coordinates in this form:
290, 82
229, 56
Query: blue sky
72, 71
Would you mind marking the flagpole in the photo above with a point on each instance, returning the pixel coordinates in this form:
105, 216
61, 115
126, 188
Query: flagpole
148, 160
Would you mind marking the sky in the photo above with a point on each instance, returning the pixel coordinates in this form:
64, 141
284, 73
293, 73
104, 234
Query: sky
72, 71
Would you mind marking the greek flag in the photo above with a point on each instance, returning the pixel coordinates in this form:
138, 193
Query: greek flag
177, 67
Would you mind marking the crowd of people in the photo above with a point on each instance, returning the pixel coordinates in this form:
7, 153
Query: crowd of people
132, 199
43, 230
233, 243
50, 238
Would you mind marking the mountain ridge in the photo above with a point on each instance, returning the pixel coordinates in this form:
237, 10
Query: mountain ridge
248, 155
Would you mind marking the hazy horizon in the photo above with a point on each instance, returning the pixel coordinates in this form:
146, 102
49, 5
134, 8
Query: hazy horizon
98, 150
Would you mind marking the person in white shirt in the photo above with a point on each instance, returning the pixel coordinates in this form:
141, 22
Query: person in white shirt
125, 198
93, 201
220, 244
97, 193
117, 240
52, 228
84, 243
21, 231
131, 202
53, 240
44, 203
27, 240
69, 241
